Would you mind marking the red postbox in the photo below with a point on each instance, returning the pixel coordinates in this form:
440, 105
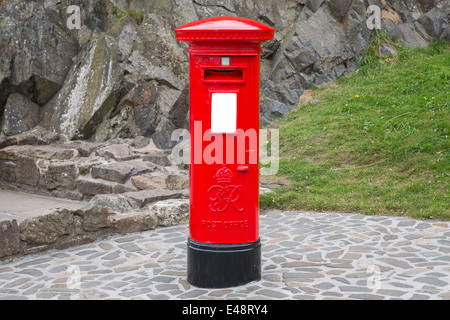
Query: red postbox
224, 76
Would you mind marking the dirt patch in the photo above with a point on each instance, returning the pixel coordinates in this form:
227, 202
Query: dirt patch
389, 14
318, 138
273, 179
306, 98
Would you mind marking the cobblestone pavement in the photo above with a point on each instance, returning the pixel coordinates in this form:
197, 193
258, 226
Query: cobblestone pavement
305, 256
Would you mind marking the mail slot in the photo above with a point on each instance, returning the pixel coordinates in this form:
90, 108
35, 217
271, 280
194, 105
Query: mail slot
223, 76
224, 247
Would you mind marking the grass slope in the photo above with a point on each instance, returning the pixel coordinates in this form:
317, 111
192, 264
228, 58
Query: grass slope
377, 142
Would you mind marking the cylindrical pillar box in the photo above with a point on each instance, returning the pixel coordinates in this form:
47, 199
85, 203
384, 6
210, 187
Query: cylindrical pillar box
224, 248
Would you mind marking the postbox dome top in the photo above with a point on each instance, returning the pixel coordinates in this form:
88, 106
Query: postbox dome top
224, 28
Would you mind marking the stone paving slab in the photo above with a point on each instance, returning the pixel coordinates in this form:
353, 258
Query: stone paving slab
31, 223
305, 256
19, 206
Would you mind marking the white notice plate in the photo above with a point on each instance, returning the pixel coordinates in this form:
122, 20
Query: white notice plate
223, 112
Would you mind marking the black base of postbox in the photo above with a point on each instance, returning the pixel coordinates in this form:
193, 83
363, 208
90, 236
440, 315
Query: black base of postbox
223, 265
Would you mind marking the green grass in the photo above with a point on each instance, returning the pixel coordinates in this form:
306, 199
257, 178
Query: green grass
377, 142
136, 16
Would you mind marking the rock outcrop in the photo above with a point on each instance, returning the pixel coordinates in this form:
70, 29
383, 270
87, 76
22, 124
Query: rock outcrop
122, 74
20, 115
129, 185
80, 170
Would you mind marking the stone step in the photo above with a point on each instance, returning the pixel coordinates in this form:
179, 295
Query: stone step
90, 187
144, 197
31, 223
118, 152
122, 171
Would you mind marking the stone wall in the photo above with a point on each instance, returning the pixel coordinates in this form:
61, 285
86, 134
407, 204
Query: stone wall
129, 185
123, 74
104, 216
45, 163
